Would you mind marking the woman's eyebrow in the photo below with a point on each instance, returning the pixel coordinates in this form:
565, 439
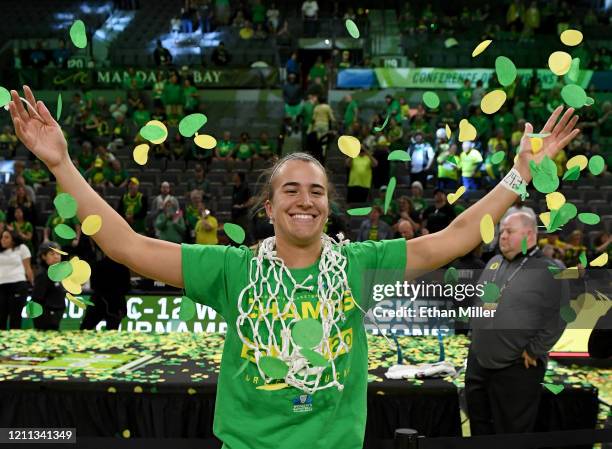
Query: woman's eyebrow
297, 184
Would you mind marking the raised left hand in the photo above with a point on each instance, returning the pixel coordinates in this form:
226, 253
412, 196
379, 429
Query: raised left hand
561, 134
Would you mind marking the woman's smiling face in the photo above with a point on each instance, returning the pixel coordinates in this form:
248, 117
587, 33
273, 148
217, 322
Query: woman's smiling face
299, 203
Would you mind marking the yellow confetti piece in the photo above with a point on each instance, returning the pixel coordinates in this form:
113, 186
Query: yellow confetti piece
192, 391
137, 389
380, 393
205, 141
481, 47
487, 228
273, 387
466, 131
600, 261
545, 218
112, 390
141, 154
571, 38
568, 273
81, 271
91, 225
559, 62
75, 301
349, 145
536, 144
492, 101
452, 197
159, 125
555, 200
59, 251
448, 132
71, 286
126, 433
579, 160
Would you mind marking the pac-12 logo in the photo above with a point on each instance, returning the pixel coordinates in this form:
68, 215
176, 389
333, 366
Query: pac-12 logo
302, 403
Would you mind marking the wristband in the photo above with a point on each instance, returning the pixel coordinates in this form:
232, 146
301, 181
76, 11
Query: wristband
514, 182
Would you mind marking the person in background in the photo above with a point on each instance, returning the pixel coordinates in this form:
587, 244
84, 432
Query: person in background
49, 294
115, 175
36, 176
292, 95
406, 212
206, 229
199, 182
440, 214
15, 279
110, 282
21, 199
23, 228
224, 151
50, 234
161, 55
220, 56
265, 148
419, 203
245, 149
133, 206
422, 157
448, 172
8, 143
241, 201
173, 98
575, 246
373, 228
293, 65
469, 159
405, 229
360, 176
169, 224
393, 108
509, 351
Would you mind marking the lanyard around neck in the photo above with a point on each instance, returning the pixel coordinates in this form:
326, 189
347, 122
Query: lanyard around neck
514, 273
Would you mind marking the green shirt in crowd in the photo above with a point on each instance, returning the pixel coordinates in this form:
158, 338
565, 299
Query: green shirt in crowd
244, 151
349, 113
116, 178
225, 148
288, 417
32, 176
172, 94
361, 172
141, 117
170, 230
266, 149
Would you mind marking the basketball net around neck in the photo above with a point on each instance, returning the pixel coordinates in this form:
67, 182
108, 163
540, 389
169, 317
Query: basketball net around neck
265, 318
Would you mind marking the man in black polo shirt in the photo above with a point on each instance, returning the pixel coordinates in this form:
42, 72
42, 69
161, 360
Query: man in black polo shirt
440, 215
508, 355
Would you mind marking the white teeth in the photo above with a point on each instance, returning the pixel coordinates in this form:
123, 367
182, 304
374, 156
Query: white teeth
303, 217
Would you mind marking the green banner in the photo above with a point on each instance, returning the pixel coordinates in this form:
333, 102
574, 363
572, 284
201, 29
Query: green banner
112, 78
438, 78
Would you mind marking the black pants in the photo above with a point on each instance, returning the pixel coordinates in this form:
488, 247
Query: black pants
356, 194
421, 177
49, 320
107, 307
13, 298
502, 400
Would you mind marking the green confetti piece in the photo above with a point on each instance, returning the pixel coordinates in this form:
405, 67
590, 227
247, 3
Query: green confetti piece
583, 259
554, 389
5, 97
544, 183
574, 70
65, 232
589, 218
59, 271
241, 369
548, 166
188, 309
389, 194
359, 211
151, 132
573, 95
33, 309
314, 358
589, 101
568, 314
190, 124
273, 368
573, 174
521, 189
506, 70
596, 165
58, 112
86, 301
524, 245
540, 135
497, 157
450, 42
453, 160
431, 99
307, 333
78, 34
490, 292
399, 155
380, 128
554, 269
352, 29
66, 205
451, 276
560, 217
234, 232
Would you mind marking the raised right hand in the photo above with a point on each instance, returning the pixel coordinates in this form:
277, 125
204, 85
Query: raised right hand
41, 134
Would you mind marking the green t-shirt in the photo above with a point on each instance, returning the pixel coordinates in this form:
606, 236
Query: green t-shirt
224, 148
115, 177
32, 176
349, 113
318, 71
464, 96
172, 94
288, 417
95, 175
361, 172
141, 117
244, 151
266, 149
395, 106
307, 112
190, 101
